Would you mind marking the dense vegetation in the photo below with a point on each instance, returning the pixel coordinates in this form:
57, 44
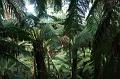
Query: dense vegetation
61, 39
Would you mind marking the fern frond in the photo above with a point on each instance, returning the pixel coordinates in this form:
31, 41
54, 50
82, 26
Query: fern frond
11, 48
77, 9
14, 32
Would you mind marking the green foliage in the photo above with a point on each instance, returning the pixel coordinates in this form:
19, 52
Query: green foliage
74, 20
57, 5
14, 33
93, 45
41, 6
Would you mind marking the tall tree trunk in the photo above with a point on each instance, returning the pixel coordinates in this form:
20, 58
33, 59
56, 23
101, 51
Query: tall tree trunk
39, 57
112, 67
101, 45
74, 64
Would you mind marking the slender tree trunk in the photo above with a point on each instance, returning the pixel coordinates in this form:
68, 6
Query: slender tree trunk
74, 64
34, 70
48, 63
39, 57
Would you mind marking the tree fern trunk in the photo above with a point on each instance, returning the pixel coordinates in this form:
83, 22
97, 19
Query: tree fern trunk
39, 57
112, 67
74, 64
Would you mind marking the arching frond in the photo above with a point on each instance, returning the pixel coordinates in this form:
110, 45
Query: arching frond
76, 15
11, 48
87, 34
14, 33
6, 58
17, 6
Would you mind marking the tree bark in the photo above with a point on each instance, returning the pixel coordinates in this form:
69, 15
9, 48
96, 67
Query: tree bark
74, 64
101, 44
39, 57
112, 67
